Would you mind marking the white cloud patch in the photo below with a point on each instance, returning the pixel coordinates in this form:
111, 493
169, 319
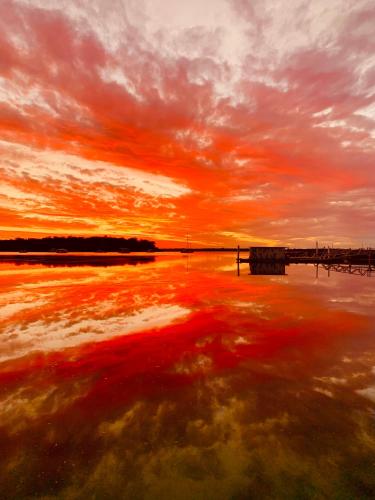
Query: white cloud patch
61, 334
45, 165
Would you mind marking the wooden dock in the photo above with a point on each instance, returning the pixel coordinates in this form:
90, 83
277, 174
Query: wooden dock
310, 255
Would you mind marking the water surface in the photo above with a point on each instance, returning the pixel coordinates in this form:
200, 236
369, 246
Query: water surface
178, 379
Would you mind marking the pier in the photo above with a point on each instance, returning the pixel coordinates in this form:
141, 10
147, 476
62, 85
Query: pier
309, 255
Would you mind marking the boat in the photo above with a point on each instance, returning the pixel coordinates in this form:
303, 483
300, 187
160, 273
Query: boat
187, 249
62, 250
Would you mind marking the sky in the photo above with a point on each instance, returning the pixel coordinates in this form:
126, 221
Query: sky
232, 121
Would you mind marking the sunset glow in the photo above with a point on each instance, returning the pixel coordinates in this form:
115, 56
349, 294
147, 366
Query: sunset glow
211, 386
230, 120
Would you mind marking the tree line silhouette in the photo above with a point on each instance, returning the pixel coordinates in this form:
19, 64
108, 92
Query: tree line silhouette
77, 244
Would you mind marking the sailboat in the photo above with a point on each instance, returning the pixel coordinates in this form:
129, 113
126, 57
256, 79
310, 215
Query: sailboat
187, 249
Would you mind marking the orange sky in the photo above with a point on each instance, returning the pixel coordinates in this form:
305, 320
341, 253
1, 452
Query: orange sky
231, 120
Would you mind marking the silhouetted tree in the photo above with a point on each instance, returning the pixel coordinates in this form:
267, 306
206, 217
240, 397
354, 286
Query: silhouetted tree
76, 244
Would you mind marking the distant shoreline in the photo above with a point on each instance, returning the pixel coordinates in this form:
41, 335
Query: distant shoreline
290, 256
62, 252
68, 244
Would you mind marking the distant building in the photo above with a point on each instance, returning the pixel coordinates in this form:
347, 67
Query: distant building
267, 253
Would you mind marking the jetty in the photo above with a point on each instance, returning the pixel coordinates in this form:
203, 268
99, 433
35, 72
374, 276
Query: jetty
325, 255
273, 260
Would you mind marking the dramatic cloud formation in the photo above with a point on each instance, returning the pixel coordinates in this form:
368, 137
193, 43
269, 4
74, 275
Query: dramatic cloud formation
230, 120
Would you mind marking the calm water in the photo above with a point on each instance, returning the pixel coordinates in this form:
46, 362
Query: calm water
178, 379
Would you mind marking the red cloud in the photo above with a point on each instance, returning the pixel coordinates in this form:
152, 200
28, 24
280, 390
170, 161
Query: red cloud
295, 117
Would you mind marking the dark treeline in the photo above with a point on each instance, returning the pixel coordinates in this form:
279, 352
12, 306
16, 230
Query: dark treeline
76, 244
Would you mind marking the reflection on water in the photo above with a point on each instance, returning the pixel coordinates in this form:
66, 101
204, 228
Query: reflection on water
75, 260
264, 268
170, 380
359, 270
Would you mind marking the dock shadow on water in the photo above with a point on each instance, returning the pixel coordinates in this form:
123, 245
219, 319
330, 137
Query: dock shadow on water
186, 382
267, 268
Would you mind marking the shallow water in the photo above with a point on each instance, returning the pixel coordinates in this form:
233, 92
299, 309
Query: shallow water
178, 379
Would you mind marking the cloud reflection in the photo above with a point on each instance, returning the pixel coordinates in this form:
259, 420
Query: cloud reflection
229, 386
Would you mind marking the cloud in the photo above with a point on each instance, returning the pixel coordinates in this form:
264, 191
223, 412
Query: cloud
202, 105
52, 167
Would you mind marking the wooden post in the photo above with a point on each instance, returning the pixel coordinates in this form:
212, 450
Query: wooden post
238, 260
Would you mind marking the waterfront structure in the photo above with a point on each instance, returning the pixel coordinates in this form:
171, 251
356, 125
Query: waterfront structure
267, 253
